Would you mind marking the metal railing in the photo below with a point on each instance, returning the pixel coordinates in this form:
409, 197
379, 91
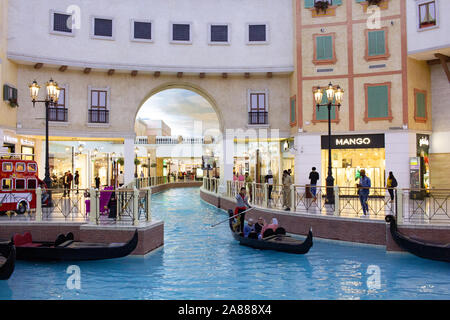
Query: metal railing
57, 114
258, 118
98, 116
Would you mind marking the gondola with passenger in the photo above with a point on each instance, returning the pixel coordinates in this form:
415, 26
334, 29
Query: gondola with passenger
427, 250
278, 241
7, 260
64, 248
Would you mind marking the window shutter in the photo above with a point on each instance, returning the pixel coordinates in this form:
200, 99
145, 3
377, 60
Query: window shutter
322, 112
381, 45
359, 1
181, 32
377, 43
257, 32
142, 30
103, 27
324, 48
421, 105
309, 4
61, 22
5, 92
292, 110
337, 2
219, 33
378, 102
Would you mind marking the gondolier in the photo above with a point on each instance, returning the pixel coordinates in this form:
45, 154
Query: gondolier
241, 206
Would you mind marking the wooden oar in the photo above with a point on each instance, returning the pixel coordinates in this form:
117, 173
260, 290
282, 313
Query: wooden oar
231, 217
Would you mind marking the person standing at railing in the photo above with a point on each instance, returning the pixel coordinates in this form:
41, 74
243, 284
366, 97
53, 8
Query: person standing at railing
77, 180
363, 190
269, 180
313, 178
248, 185
391, 184
287, 182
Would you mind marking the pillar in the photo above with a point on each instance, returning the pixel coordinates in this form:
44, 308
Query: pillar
128, 153
226, 160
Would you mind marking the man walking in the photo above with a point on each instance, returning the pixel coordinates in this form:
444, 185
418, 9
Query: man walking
363, 190
77, 180
313, 177
287, 182
269, 180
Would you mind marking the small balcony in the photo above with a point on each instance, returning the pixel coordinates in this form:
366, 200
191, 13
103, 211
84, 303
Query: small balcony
57, 114
258, 118
98, 116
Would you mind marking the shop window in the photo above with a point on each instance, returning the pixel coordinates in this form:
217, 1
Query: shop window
378, 105
20, 184
377, 45
420, 105
61, 23
218, 34
102, 28
32, 184
6, 184
7, 167
20, 167
258, 108
293, 111
27, 153
142, 30
324, 49
427, 14
257, 33
181, 33
321, 114
58, 112
32, 167
10, 95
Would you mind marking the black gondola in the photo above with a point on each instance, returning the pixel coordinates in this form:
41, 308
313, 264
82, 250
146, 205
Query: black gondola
277, 242
7, 260
439, 252
66, 249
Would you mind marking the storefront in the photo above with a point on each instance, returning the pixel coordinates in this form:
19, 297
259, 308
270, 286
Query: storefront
350, 154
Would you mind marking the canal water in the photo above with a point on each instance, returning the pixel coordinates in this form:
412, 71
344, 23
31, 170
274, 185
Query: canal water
200, 262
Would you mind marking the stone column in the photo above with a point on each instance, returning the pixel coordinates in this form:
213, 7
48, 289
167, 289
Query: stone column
128, 154
226, 161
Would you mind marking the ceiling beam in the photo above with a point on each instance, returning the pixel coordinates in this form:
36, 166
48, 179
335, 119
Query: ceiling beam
179, 74
224, 75
247, 75
87, 70
63, 68
444, 59
269, 75
110, 72
38, 65
134, 73
157, 74
201, 75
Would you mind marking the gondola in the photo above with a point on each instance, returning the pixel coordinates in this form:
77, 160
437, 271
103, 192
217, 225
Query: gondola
7, 260
66, 249
277, 242
439, 252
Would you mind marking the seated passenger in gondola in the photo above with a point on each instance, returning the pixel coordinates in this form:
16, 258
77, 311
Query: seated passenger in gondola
241, 205
249, 228
259, 226
269, 229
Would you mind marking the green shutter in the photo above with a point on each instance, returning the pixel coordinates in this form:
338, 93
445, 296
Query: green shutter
378, 102
309, 4
292, 110
322, 112
421, 105
377, 44
5, 92
324, 48
337, 2
359, 1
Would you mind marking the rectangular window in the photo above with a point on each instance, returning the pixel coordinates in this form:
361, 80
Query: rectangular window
427, 15
324, 49
219, 34
20, 184
32, 184
98, 111
103, 28
378, 106
293, 111
257, 33
62, 23
20, 167
7, 167
32, 167
376, 45
142, 30
59, 111
6, 184
258, 109
98, 98
181, 32
420, 105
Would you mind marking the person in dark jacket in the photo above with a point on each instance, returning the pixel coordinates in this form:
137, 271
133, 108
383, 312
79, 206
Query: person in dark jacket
313, 178
269, 180
97, 182
77, 180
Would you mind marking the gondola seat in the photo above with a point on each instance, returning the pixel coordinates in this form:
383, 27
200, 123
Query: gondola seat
24, 240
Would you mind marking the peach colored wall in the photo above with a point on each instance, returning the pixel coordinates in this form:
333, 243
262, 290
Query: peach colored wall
419, 77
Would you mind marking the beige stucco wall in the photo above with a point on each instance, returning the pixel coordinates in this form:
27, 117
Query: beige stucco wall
229, 97
8, 71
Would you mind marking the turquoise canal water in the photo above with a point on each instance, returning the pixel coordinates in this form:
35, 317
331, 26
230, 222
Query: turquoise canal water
199, 262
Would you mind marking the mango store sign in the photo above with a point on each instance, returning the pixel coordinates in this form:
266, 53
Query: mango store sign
354, 141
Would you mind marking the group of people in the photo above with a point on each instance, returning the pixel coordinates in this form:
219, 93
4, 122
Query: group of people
67, 180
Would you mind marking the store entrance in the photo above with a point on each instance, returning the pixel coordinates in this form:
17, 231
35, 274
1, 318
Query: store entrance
347, 163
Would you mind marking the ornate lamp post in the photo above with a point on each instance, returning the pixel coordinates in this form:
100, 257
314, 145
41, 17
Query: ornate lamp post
50, 100
337, 94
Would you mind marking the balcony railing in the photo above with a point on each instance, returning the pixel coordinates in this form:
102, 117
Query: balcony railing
257, 118
98, 116
57, 114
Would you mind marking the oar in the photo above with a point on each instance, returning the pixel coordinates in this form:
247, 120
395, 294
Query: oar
231, 217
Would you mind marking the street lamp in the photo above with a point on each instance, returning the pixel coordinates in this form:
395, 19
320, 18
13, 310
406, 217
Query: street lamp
136, 150
50, 100
336, 94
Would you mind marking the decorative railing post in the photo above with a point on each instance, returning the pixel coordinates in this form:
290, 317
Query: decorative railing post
93, 205
149, 204
266, 195
337, 204
135, 206
399, 199
38, 204
253, 186
293, 202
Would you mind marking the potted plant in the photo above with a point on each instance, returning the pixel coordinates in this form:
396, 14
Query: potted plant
13, 102
120, 161
373, 2
321, 6
137, 161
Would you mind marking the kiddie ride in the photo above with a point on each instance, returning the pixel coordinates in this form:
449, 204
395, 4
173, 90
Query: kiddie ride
18, 183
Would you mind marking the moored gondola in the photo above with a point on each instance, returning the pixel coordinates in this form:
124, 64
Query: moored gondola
439, 252
66, 249
7, 260
276, 242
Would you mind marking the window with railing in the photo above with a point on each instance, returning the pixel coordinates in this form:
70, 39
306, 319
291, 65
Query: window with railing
258, 109
58, 112
98, 112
